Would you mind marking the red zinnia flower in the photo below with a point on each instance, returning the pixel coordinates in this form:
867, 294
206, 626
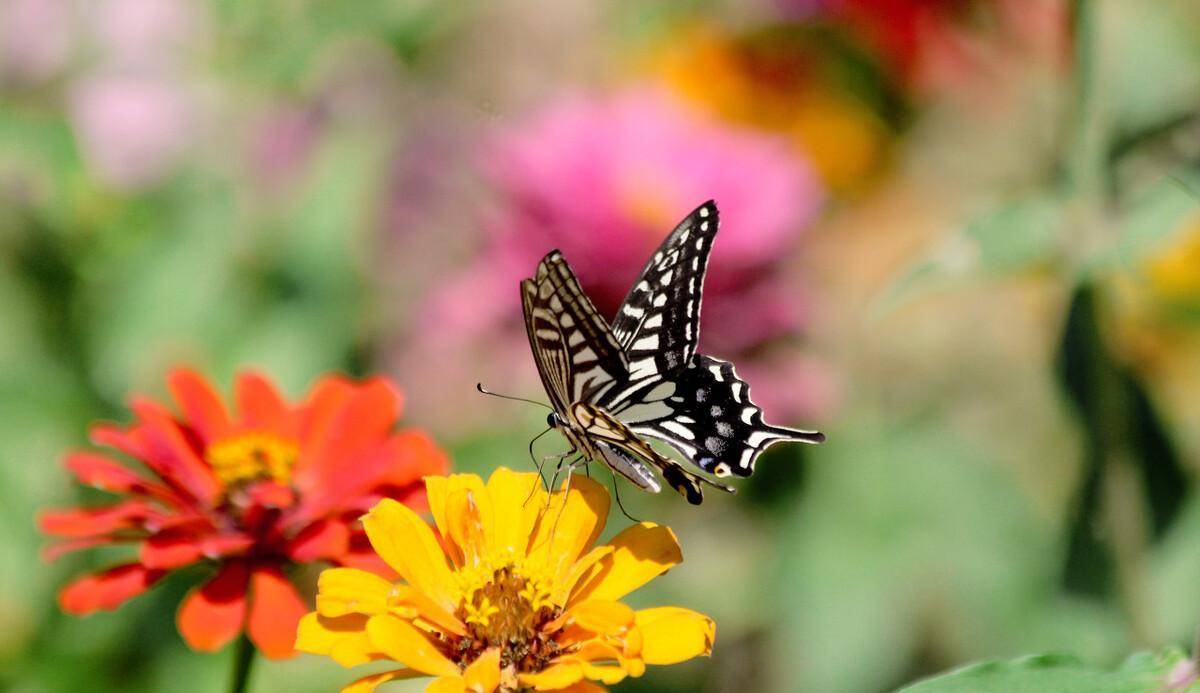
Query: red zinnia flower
275, 485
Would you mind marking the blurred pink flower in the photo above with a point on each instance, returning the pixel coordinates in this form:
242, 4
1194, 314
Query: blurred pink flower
36, 37
604, 180
146, 32
132, 129
280, 144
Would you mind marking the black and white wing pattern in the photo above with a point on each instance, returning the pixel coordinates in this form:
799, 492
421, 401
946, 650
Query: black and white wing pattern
658, 324
573, 347
695, 403
709, 418
612, 387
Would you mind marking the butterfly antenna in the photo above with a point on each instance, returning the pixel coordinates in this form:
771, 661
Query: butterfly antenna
616, 486
484, 390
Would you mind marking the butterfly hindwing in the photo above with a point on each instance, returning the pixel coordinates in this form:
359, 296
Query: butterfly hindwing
658, 324
709, 417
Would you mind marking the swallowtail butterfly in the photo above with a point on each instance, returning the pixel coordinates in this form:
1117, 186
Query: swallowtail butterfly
613, 386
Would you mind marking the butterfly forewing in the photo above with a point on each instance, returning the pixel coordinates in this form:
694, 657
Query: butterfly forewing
658, 324
572, 345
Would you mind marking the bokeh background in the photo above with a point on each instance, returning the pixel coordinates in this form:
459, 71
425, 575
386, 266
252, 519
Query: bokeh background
962, 237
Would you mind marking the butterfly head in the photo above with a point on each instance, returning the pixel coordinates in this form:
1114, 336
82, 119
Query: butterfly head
553, 420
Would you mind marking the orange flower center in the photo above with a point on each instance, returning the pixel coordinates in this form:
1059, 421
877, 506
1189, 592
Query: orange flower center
509, 612
251, 457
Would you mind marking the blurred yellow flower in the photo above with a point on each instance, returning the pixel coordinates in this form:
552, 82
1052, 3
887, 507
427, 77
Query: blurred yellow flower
1174, 274
774, 80
508, 595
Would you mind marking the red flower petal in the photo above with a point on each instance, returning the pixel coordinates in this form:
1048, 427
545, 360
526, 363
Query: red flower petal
319, 411
91, 522
345, 418
327, 539
202, 407
275, 611
259, 404
213, 614
105, 473
59, 549
106, 590
174, 549
170, 454
112, 436
357, 480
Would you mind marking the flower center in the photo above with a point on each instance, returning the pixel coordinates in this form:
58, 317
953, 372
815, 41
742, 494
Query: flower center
251, 457
507, 610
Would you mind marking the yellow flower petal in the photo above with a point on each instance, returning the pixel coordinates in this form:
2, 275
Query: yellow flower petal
407, 544
447, 684
570, 525
440, 489
605, 673
672, 634
367, 684
553, 677
425, 608
466, 510
399, 640
598, 617
593, 651
319, 635
641, 553
581, 568
582, 687
483, 675
342, 591
517, 499
354, 650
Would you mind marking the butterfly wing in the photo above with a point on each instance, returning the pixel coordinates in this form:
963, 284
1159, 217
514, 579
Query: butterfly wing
705, 412
630, 455
576, 354
658, 324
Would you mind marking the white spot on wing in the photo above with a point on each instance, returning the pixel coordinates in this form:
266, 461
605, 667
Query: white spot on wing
758, 437
678, 429
646, 343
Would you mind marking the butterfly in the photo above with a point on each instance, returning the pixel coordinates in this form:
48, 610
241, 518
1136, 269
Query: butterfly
613, 387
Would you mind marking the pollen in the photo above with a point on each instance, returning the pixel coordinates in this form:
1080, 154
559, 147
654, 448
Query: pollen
252, 456
507, 610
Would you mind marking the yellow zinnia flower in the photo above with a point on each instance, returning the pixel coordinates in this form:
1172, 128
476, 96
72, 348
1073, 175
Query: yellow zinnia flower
508, 595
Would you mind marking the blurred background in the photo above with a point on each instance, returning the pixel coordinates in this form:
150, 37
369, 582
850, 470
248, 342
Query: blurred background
961, 237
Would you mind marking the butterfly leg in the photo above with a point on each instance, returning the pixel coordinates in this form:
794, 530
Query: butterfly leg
616, 487
540, 465
566, 489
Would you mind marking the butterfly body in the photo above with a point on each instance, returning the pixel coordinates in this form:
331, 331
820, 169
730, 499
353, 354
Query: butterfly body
612, 387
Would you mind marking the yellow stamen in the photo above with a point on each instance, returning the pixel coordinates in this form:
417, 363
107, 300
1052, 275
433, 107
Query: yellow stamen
252, 456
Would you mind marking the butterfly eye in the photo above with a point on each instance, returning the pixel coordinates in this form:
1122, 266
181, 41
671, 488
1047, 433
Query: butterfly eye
553, 420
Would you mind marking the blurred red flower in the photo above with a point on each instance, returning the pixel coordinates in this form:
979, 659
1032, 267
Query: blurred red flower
274, 485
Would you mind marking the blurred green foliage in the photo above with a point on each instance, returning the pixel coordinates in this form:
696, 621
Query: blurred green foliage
1005, 474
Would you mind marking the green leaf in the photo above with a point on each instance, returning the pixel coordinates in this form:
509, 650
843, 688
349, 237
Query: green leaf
1141, 673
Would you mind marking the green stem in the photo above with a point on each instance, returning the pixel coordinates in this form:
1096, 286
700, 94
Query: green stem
243, 662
